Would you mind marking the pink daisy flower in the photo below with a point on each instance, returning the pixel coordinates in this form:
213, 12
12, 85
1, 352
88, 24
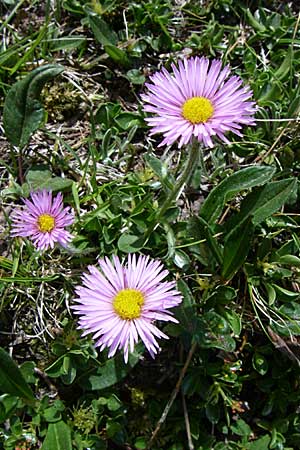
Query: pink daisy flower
43, 220
120, 302
198, 99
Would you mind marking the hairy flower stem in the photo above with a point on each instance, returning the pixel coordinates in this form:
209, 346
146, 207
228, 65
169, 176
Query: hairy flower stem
20, 167
192, 159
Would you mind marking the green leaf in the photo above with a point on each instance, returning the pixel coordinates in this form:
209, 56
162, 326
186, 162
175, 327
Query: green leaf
185, 312
69, 370
200, 229
160, 169
112, 428
257, 26
113, 403
291, 260
263, 202
42, 179
128, 243
8, 404
65, 366
117, 55
236, 248
241, 428
57, 368
212, 412
271, 293
23, 111
289, 247
260, 364
213, 332
135, 76
12, 380
114, 370
234, 321
260, 444
29, 51
27, 369
235, 183
291, 310
181, 259
28, 279
127, 120
53, 413
66, 42
58, 437
102, 32
294, 106
285, 66
140, 443
285, 294
272, 197
74, 6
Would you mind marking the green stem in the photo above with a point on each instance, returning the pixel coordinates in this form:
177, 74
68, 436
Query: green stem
192, 159
20, 166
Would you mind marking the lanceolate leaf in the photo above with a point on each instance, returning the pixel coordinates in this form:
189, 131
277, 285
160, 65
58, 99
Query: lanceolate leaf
118, 55
23, 111
103, 34
66, 42
11, 378
225, 191
272, 197
200, 229
185, 312
265, 201
58, 437
236, 248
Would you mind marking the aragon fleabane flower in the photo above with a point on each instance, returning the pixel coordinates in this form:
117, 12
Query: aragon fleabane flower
119, 302
198, 99
43, 220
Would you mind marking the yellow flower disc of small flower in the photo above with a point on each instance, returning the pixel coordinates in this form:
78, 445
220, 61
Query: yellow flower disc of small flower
46, 223
197, 110
128, 304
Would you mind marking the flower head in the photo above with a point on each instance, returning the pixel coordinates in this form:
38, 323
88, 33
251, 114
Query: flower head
43, 220
198, 99
119, 303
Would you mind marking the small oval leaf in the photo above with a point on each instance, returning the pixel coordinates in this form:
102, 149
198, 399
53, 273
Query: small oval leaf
260, 364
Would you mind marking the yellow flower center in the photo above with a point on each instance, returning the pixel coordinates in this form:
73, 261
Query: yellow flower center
197, 109
46, 223
128, 304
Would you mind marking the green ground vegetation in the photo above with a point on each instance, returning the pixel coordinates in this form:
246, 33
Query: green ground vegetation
231, 240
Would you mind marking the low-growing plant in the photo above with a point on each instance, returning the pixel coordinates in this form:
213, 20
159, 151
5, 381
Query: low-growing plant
141, 211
